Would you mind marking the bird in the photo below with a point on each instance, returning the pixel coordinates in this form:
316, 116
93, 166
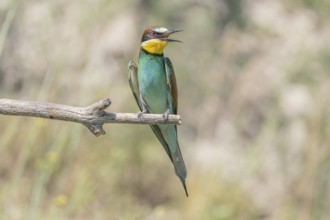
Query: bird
153, 83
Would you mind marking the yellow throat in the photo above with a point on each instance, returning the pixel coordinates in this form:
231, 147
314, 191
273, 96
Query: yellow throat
154, 46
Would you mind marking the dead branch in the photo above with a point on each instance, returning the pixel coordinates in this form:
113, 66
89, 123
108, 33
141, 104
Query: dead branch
93, 116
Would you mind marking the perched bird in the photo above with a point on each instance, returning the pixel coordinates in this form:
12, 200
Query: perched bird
154, 87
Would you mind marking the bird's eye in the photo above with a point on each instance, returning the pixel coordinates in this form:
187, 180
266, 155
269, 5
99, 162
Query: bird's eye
153, 33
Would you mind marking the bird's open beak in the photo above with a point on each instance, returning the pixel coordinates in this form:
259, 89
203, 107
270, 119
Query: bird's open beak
168, 33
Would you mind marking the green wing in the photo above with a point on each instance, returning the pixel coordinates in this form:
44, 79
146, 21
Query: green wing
171, 82
178, 162
133, 81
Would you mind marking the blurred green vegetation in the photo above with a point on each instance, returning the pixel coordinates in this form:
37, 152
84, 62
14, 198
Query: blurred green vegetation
254, 99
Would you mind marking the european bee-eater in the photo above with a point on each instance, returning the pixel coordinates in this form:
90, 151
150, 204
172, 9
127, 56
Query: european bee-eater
154, 87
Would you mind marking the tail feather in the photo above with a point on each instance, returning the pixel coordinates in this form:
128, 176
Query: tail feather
172, 148
183, 181
180, 167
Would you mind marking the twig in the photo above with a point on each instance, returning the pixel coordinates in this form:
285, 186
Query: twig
93, 116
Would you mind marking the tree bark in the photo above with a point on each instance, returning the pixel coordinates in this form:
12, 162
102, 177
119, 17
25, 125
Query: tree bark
93, 116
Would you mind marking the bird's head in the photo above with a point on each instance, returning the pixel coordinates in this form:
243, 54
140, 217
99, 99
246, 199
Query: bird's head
155, 39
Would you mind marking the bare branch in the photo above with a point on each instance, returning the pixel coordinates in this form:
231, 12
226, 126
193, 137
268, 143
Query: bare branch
93, 116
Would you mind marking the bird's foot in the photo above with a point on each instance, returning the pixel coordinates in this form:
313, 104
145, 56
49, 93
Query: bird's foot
166, 114
140, 114
131, 65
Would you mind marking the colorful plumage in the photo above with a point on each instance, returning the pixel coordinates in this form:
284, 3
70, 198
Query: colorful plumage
154, 87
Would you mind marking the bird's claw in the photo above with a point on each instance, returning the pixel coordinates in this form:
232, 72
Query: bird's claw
140, 114
166, 115
131, 65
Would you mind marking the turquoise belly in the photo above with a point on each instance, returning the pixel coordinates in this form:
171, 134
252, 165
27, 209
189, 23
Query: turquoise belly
152, 82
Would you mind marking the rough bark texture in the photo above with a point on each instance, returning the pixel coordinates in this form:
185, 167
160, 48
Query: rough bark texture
93, 116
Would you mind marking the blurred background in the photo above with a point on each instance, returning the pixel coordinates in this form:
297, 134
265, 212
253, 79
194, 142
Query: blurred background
254, 97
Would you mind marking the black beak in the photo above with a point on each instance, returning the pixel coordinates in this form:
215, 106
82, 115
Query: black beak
168, 33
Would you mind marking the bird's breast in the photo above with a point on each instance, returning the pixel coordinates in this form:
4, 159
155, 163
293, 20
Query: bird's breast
152, 82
